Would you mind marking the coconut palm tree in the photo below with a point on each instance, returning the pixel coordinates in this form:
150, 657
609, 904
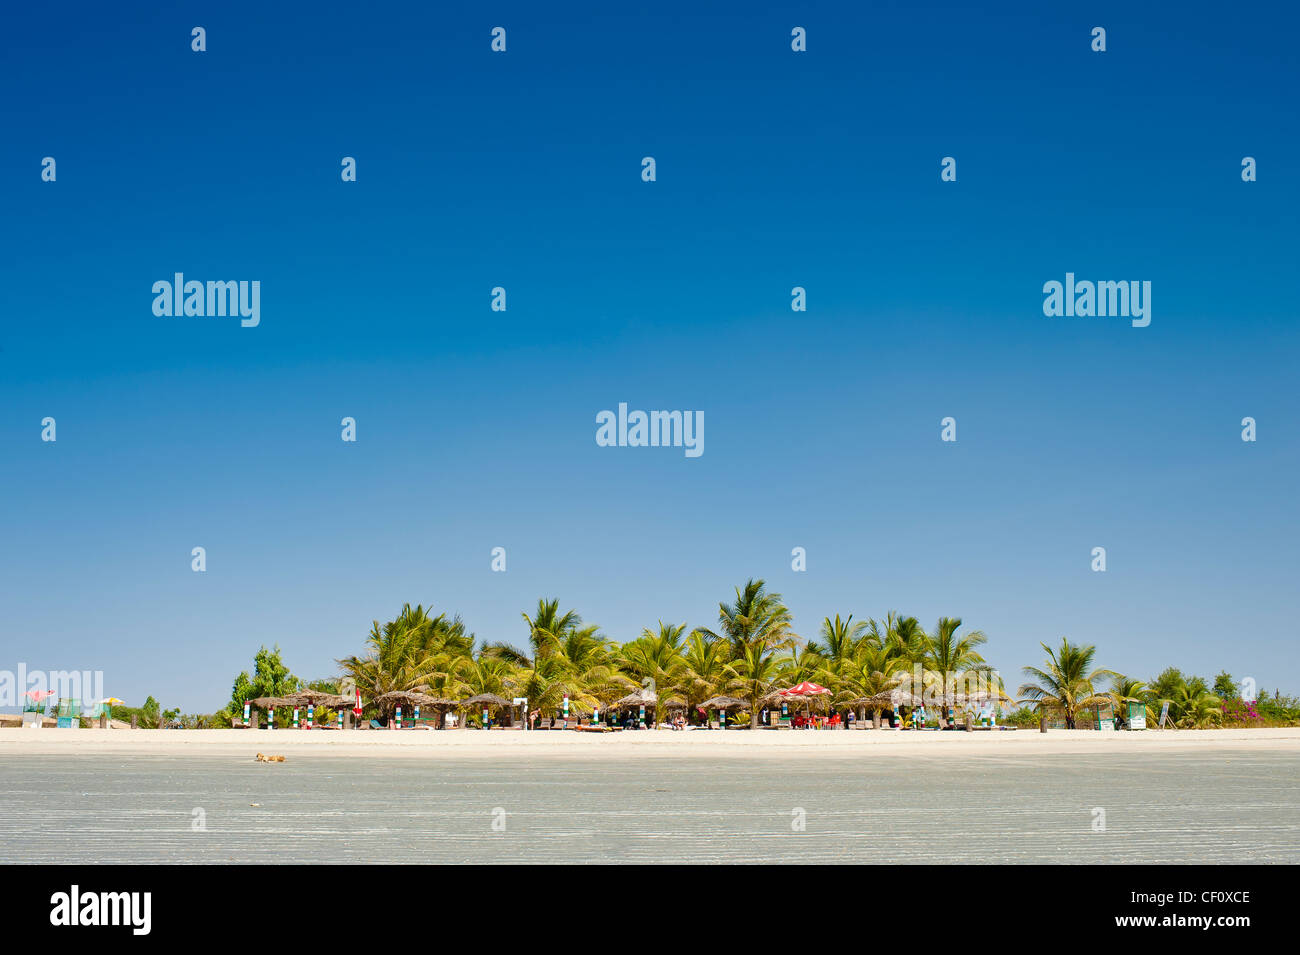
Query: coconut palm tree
873, 669
587, 658
757, 672
950, 661
705, 670
1125, 689
1196, 707
548, 626
1067, 681
806, 663
559, 646
838, 638
411, 652
755, 626
655, 659
756, 617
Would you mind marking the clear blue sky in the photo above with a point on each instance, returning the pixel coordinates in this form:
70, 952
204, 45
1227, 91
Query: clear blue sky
476, 429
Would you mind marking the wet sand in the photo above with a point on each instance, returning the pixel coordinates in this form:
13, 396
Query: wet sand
833, 797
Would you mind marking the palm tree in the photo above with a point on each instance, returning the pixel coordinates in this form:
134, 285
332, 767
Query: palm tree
586, 658
548, 626
1197, 708
1067, 682
1123, 690
655, 658
949, 660
757, 671
545, 674
705, 670
755, 626
412, 652
756, 617
838, 638
872, 670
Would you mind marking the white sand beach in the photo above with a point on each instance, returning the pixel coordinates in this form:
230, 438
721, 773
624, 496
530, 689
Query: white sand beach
690, 744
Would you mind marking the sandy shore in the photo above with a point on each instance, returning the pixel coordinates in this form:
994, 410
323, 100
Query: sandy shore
14, 743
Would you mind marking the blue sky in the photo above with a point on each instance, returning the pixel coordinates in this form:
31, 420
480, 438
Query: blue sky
476, 429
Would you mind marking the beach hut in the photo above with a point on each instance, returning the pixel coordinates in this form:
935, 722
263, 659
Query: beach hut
485, 703
315, 699
409, 700
643, 701
724, 705
267, 704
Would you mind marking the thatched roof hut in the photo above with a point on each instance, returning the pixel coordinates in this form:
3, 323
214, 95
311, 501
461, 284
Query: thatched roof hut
318, 698
724, 703
413, 698
266, 702
486, 699
642, 697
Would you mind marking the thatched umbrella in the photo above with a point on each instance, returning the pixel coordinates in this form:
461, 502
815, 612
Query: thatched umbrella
412, 698
637, 698
643, 697
317, 698
389, 701
484, 701
265, 702
885, 700
724, 703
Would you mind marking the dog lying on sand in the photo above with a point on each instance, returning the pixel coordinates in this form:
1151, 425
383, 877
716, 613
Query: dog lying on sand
263, 758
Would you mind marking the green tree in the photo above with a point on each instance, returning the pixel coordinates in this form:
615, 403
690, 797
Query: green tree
705, 669
1066, 682
755, 625
1124, 690
872, 670
415, 652
950, 661
270, 678
838, 639
1225, 687
655, 660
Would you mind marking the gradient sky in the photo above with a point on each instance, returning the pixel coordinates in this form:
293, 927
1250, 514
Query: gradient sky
476, 429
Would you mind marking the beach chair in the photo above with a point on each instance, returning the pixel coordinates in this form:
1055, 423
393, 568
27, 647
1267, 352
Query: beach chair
713, 725
544, 723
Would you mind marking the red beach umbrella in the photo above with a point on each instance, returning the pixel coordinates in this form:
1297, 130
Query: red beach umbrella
806, 688
357, 709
